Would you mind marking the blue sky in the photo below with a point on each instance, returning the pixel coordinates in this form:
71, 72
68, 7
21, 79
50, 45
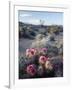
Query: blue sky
34, 17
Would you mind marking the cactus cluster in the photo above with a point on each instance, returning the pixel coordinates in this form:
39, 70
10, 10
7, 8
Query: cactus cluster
36, 63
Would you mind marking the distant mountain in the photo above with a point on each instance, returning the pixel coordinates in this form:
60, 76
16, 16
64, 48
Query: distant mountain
30, 30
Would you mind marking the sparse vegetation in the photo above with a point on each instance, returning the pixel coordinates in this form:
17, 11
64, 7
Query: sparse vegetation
38, 42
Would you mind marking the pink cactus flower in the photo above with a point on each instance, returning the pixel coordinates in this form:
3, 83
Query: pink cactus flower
43, 51
27, 52
42, 59
31, 52
31, 70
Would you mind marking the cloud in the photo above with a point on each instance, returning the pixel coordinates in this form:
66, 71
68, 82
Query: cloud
25, 15
34, 21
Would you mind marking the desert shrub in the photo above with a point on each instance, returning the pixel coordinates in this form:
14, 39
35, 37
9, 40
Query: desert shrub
52, 38
32, 33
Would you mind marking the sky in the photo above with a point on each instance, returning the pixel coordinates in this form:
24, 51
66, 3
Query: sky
34, 17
